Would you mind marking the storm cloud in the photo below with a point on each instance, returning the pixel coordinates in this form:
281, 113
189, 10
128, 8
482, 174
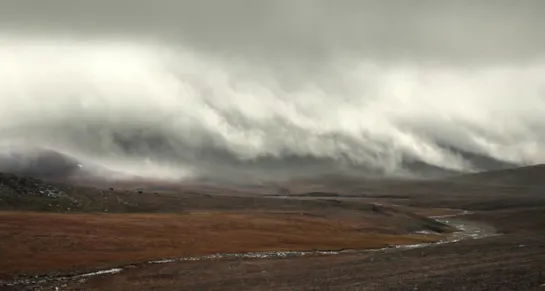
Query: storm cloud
263, 89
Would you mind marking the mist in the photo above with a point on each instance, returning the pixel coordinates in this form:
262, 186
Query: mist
272, 90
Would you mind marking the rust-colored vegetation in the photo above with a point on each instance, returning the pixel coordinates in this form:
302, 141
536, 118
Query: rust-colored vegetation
35, 243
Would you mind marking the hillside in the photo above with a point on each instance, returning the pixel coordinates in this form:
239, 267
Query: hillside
30, 194
523, 176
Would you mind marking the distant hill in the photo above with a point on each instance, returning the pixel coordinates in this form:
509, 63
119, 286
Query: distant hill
523, 176
50, 165
26, 193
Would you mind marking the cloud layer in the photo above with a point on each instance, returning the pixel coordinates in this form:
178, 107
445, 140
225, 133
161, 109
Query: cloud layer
304, 30
275, 89
163, 111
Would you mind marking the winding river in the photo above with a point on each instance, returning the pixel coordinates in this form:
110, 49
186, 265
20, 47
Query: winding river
466, 230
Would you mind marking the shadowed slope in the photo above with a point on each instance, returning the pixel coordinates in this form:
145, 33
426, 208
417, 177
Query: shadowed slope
524, 176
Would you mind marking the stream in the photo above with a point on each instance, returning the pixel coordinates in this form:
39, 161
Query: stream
467, 230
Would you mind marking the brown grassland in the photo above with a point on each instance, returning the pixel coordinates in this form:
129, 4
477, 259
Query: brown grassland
85, 229
36, 243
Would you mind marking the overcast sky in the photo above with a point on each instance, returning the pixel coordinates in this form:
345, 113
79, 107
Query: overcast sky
289, 86
499, 31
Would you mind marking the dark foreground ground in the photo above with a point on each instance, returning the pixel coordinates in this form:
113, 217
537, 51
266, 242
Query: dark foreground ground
512, 260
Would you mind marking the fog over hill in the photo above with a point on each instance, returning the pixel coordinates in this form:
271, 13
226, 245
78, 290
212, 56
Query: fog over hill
249, 90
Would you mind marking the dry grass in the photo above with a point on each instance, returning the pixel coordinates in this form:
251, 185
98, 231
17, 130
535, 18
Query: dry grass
33, 243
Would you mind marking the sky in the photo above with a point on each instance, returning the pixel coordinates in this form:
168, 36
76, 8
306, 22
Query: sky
275, 88
452, 31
